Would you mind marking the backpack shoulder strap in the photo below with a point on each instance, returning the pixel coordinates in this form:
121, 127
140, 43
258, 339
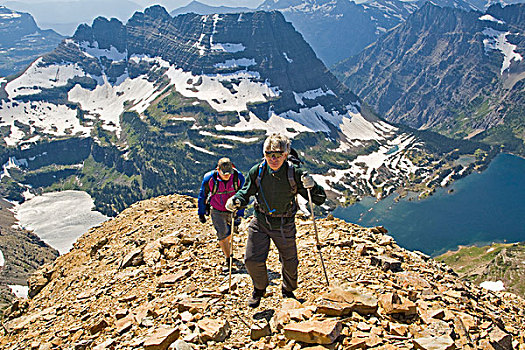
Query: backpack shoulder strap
215, 187
291, 178
260, 173
236, 184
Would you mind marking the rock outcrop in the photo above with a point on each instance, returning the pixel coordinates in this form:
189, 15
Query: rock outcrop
23, 253
152, 278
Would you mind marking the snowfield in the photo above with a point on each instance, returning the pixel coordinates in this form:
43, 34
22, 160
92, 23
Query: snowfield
76, 216
498, 41
224, 92
493, 286
44, 117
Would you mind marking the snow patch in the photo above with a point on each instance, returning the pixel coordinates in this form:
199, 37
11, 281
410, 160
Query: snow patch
230, 137
19, 291
491, 249
38, 77
275, 124
106, 102
497, 40
246, 86
92, 50
234, 63
39, 116
11, 15
287, 58
493, 286
227, 47
59, 231
490, 18
2, 260
200, 149
310, 95
363, 166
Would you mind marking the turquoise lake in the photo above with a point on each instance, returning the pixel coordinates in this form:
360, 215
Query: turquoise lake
482, 208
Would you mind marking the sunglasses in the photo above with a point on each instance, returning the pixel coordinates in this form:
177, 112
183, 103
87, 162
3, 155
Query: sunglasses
274, 154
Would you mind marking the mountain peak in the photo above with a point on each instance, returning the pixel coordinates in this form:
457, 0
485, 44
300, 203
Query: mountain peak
155, 267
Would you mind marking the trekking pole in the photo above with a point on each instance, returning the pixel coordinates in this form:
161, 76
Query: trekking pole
231, 254
317, 235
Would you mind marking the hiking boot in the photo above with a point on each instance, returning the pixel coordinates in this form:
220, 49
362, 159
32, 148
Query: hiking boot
288, 293
255, 299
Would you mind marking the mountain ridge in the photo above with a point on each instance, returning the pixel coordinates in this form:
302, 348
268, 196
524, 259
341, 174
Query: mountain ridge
155, 268
22, 41
204, 9
140, 101
457, 82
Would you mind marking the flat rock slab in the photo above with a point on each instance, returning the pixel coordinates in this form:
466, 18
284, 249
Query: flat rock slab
213, 329
161, 338
314, 332
434, 343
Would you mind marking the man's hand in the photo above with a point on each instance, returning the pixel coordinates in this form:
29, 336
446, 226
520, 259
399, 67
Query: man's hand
232, 204
308, 181
202, 218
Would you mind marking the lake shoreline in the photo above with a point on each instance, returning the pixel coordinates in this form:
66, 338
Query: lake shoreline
481, 208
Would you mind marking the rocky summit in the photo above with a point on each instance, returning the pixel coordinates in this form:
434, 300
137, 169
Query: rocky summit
151, 278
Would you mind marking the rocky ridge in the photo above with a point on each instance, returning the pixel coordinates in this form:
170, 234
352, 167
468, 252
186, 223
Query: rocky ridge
151, 278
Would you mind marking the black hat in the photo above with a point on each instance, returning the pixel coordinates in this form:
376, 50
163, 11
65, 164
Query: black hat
225, 166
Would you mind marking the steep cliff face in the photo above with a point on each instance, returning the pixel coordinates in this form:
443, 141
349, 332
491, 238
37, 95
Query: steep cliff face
21, 41
338, 29
259, 42
152, 277
21, 253
445, 69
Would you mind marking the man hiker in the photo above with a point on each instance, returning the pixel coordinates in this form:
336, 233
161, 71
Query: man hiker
274, 183
217, 186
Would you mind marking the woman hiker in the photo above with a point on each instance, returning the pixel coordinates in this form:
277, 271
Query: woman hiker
218, 185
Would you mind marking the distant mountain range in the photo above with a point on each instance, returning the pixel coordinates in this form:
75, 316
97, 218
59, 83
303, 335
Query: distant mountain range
22, 41
338, 29
65, 16
459, 73
203, 9
131, 111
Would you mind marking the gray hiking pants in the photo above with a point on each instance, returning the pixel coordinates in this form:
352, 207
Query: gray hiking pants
258, 246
